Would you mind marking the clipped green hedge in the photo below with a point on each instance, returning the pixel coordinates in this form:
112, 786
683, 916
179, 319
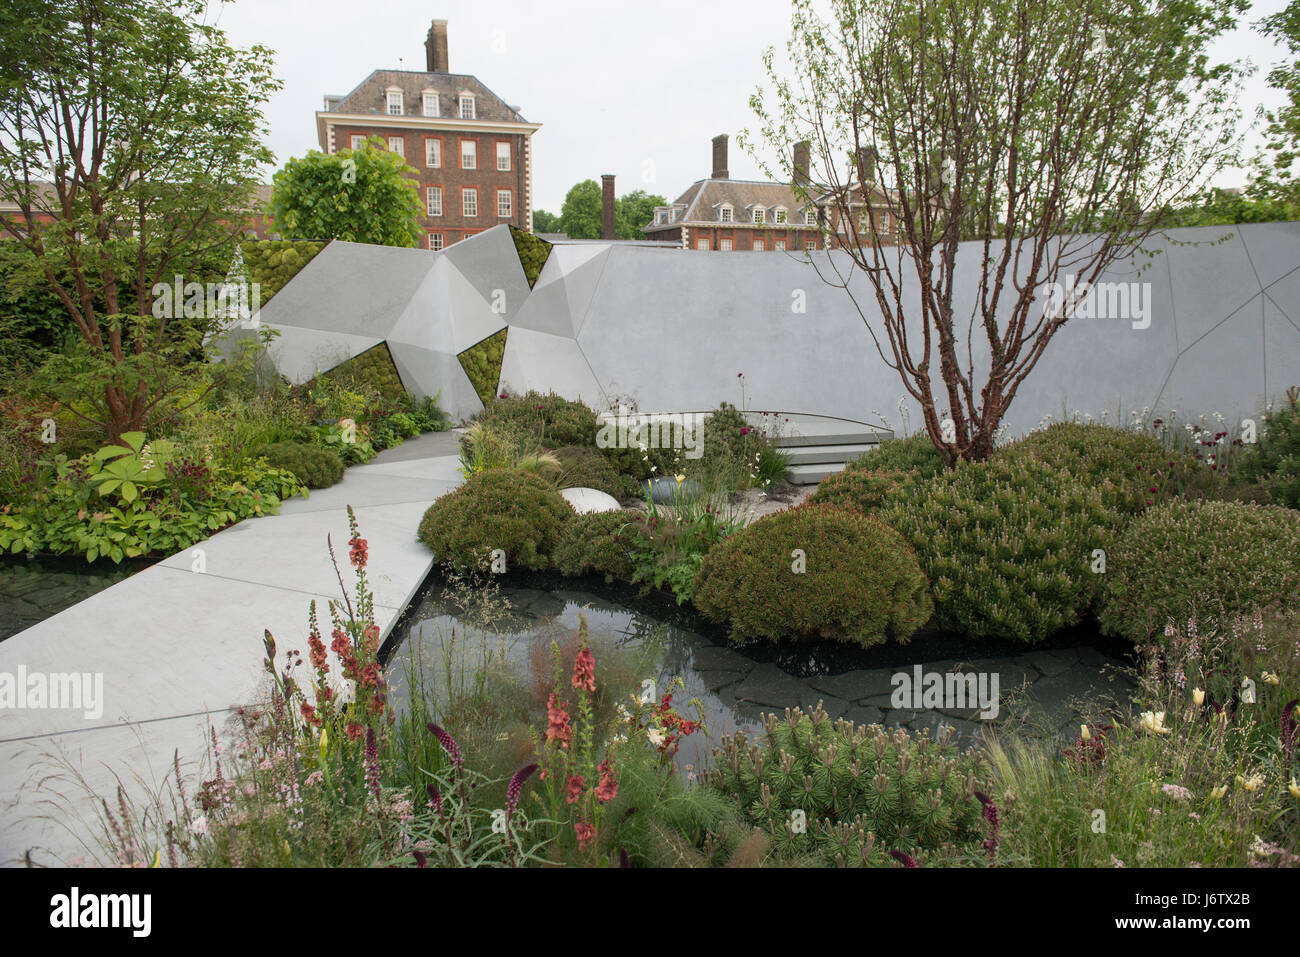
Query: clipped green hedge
516, 512
482, 363
858, 582
1211, 560
315, 467
533, 253
273, 262
1143, 466
597, 543
1008, 544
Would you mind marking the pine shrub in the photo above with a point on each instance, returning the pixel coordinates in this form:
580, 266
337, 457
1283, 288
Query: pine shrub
585, 467
1274, 461
597, 543
863, 489
857, 580
514, 511
315, 467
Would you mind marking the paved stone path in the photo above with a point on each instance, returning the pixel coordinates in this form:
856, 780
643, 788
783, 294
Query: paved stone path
178, 648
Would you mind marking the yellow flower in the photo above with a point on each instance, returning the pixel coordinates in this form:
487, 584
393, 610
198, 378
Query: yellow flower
1084, 733
1270, 678
1293, 788
1198, 696
680, 478
157, 859
1153, 722
1219, 792
1251, 783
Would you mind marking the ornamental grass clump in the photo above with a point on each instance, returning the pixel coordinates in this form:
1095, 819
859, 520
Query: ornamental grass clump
496, 514
831, 793
1013, 547
1211, 560
816, 571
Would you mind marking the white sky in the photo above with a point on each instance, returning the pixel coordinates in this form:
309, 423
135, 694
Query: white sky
628, 87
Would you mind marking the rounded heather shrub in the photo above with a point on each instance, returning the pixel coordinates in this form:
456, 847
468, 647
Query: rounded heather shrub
515, 511
1141, 465
1008, 545
551, 419
315, 467
597, 544
863, 489
815, 571
915, 454
1214, 560
584, 467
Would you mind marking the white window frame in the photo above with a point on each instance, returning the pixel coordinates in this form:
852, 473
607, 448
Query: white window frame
810, 217
661, 217
778, 246
358, 141
760, 215
430, 193
507, 156
726, 214
435, 144
397, 144
429, 104
436, 241
809, 245
759, 245
473, 145
394, 103
468, 193
467, 99
509, 198
702, 244
779, 216
726, 245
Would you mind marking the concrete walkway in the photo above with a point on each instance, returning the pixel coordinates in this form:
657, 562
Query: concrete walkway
177, 646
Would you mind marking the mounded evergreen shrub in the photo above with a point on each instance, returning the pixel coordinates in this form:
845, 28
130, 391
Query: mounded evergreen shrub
597, 544
551, 419
315, 467
1008, 544
1143, 466
584, 467
506, 509
915, 454
863, 489
1214, 560
858, 581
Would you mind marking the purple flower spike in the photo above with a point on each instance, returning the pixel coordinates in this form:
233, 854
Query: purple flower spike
420, 860
517, 785
435, 796
905, 859
449, 745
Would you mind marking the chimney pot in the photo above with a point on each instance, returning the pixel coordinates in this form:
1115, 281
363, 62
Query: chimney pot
435, 47
802, 162
607, 206
720, 157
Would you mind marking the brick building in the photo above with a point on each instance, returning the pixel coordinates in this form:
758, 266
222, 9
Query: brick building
470, 152
725, 214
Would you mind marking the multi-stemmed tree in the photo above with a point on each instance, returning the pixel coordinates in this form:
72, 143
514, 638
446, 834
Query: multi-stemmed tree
1052, 135
130, 139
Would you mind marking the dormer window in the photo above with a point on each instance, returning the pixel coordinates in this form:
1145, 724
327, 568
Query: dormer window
467, 111
661, 217
778, 215
395, 105
430, 104
725, 214
760, 215
810, 217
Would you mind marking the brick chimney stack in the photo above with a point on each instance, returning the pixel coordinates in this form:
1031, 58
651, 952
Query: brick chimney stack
607, 206
435, 47
802, 161
720, 157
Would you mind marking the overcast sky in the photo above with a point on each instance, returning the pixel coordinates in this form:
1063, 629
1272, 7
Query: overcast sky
637, 89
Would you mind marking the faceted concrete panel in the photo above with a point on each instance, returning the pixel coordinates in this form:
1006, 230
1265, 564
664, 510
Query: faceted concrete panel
350, 287
548, 310
1224, 371
428, 374
578, 269
302, 354
1282, 352
1272, 248
491, 264
472, 316
1200, 306
424, 321
535, 360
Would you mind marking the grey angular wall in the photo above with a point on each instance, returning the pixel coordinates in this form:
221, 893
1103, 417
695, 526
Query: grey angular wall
673, 330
